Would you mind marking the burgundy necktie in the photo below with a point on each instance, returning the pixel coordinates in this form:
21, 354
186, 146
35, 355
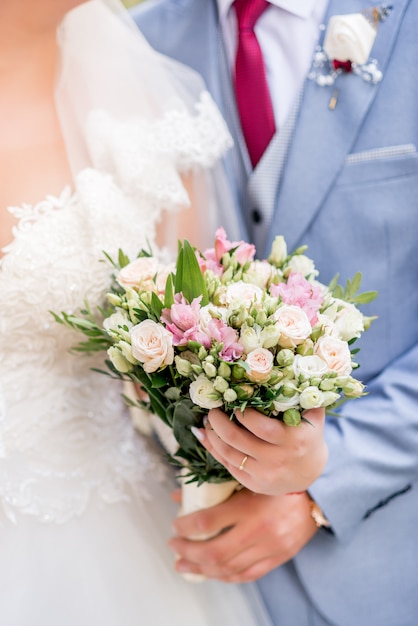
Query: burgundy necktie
251, 88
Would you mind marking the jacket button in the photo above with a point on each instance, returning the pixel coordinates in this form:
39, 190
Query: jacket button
256, 216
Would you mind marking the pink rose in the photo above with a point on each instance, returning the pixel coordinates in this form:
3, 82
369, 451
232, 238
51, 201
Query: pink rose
335, 353
152, 345
260, 362
293, 324
302, 293
139, 274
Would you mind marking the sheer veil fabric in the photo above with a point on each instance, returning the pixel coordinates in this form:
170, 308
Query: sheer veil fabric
115, 93
85, 500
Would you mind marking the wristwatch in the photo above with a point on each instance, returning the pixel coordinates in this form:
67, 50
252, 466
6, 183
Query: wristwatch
318, 516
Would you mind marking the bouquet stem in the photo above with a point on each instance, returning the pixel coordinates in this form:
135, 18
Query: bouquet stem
196, 497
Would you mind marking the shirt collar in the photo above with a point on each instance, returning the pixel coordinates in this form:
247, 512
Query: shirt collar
301, 8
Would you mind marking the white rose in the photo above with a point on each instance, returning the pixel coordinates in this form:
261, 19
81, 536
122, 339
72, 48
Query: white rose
311, 398
293, 324
335, 353
202, 393
278, 254
349, 38
244, 293
249, 338
302, 264
309, 366
139, 272
152, 345
260, 362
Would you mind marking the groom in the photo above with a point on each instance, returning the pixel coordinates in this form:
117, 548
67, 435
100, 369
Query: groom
333, 166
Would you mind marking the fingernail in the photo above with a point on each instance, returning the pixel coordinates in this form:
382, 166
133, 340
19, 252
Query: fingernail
198, 433
205, 421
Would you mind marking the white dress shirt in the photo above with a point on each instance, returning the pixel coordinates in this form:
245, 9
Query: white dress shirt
287, 33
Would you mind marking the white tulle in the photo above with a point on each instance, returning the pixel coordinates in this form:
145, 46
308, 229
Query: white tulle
85, 499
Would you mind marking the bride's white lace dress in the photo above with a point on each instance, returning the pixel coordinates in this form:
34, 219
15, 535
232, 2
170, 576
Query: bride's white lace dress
86, 507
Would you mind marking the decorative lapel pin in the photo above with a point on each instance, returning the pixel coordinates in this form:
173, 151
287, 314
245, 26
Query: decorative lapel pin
346, 48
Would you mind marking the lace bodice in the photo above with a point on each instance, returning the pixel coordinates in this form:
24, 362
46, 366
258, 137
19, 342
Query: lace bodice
64, 434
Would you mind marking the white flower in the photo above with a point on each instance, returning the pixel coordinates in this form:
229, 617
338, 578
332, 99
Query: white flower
242, 293
282, 403
269, 336
348, 320
152, 345
309, 366
249, 338
202, 393
138, 273
349, 38
278, 253
311, 398
302, 264
259, 273
293, 324
260, 362
335, 353
114, 321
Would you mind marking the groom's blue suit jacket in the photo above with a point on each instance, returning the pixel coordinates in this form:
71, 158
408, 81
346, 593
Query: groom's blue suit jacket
348, 188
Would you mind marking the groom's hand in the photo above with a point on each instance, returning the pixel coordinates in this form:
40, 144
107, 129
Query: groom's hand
259, 534
264, 454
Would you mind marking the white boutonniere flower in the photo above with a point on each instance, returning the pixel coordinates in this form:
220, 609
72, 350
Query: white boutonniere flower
347, 46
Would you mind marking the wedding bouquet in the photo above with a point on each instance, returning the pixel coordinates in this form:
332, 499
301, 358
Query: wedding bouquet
220, 329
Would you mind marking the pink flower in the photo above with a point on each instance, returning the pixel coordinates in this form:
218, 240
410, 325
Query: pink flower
209, 263
182, 320
300, 292
221, 333
243, 251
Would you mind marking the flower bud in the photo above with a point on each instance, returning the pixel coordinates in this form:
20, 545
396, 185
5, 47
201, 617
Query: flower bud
224, 370
126, 350
202, 354
291, 417
244, 391
230, 395
238, 372
278, 253
285, 357
220, 384
209, 369
183, 366
118, 360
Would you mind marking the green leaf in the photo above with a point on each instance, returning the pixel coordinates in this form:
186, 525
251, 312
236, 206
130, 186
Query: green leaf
169, 292
365, 297
189, 278
123, 260
157, 305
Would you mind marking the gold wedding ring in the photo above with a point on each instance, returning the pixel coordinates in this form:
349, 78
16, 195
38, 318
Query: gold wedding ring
243, 462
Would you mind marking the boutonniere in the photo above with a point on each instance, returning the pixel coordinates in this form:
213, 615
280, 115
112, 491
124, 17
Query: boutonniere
346, 48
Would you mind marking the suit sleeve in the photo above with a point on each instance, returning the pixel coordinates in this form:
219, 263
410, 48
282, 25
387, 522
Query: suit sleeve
373, 448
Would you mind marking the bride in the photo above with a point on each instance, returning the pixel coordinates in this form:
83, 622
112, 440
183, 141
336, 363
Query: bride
101, 147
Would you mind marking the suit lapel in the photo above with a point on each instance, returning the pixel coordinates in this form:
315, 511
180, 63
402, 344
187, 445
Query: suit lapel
323, 137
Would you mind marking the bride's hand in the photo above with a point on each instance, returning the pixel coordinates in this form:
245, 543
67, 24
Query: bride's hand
264, 454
